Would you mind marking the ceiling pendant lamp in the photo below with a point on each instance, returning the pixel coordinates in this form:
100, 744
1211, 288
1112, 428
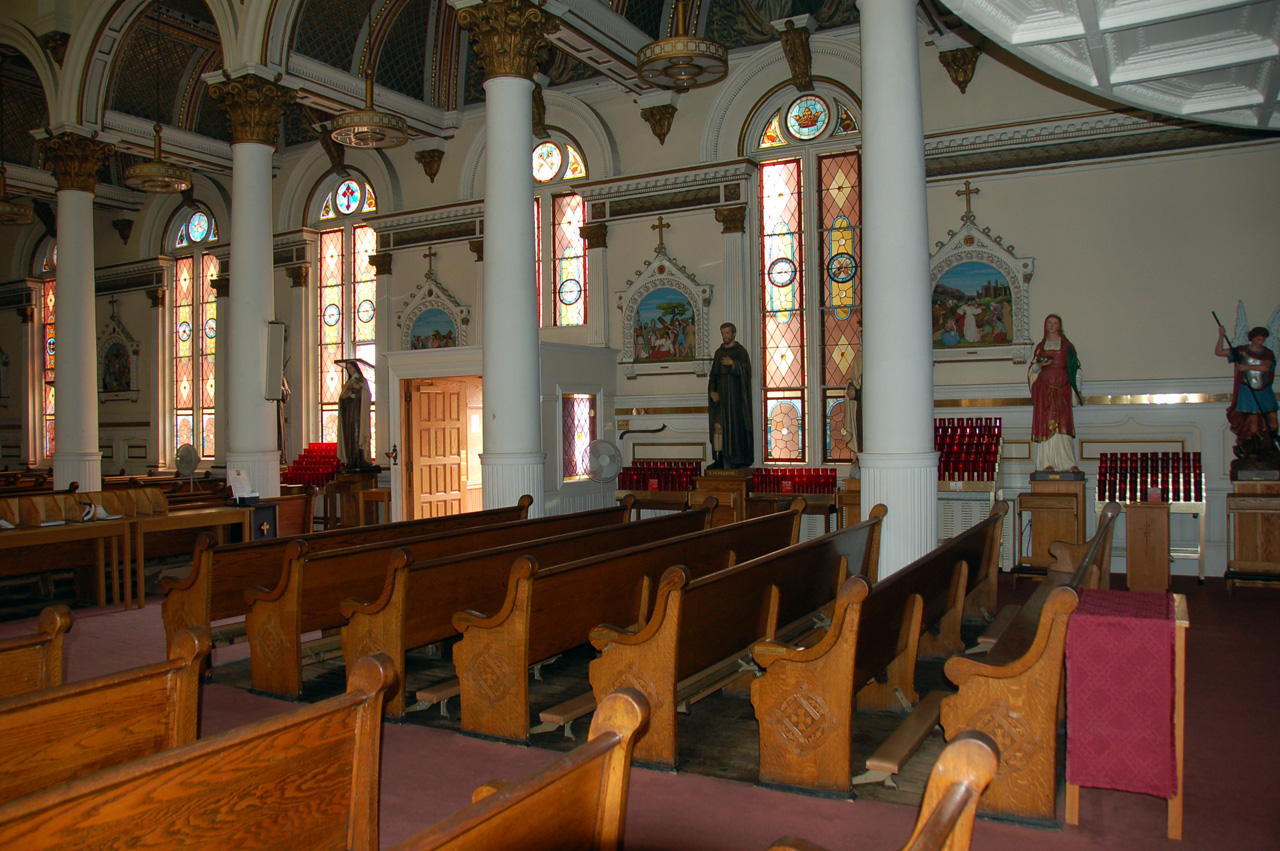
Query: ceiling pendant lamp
157, 176
368, 127
682, 62
10, 213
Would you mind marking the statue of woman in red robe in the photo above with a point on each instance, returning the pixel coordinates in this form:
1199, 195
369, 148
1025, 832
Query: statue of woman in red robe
1053, 377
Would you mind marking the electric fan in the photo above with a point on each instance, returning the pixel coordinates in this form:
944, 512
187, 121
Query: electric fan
187, 461
604, 461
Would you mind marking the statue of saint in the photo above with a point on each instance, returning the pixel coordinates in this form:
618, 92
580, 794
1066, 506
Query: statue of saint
353, 418
1252, 412
729, 404
1053, 377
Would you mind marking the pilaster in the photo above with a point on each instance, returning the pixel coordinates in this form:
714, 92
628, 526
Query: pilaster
382, 344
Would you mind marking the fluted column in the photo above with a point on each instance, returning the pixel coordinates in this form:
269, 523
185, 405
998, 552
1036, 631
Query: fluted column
75, 162
508, 36
382, 344
254, 106
899, 466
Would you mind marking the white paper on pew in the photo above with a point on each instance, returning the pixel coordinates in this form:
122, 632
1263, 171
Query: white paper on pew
5, 524
53, 523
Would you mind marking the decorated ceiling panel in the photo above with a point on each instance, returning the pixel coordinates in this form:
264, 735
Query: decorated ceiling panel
402, 58
737, 23
329, 30
24, 110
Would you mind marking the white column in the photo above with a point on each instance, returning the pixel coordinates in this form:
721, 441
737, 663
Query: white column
76, 457
388, 431
512, 459
251, 419
899, 466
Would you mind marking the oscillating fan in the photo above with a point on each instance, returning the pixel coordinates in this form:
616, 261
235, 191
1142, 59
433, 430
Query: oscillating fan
187, 461
604, 461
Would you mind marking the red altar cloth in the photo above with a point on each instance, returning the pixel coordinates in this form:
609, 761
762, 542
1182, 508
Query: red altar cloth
1120, 693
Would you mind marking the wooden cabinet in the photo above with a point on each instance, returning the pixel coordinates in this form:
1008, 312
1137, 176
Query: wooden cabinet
1056, 509
1147, 546
1253, 533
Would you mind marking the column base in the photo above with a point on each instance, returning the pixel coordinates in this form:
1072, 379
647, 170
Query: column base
509, 476
262, 468
907, 484
83, 468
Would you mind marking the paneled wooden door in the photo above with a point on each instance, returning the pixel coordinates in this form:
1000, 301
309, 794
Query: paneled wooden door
439, 433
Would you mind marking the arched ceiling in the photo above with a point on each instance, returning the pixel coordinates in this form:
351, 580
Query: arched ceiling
24, 110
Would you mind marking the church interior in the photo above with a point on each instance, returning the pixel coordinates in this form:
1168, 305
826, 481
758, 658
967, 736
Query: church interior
289, 246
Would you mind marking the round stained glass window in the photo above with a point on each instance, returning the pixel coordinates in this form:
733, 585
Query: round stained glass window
347, 197
808, 117
198, 227
364, 310
570, 292
547, 160
211, 328
332, 314
782, 272
49, 346
184, 331
841, 267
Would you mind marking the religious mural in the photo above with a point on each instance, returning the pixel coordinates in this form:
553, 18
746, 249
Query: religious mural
664, 327
972, 306
116, 367
433, 329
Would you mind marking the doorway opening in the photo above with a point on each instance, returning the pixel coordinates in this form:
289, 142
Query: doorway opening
443, 428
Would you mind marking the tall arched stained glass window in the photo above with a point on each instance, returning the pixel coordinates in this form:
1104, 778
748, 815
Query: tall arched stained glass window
195, 329
45, 266
555, 162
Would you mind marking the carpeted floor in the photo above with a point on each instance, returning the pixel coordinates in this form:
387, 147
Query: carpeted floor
1232, 800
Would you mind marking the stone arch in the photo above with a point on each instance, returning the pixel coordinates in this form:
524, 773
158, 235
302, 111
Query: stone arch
24, 41
314, 167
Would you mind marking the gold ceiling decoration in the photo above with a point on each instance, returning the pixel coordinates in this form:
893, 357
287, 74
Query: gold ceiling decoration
682, 62
10, 213
156, 176
368, 127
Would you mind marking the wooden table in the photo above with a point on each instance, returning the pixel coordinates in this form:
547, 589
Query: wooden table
99, 530
216, 518
1147, 546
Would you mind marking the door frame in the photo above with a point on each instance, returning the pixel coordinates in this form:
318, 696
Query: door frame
420, 363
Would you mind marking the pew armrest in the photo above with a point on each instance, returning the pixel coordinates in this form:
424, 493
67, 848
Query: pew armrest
601, 636
353, 605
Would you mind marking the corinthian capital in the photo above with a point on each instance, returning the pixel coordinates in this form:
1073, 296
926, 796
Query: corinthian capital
75, 160
254, 106
509, 35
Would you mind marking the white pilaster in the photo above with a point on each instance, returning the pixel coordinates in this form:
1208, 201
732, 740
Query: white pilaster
598, 297
161, 448
251, 419
31, 377
76, 457
382, 383
512, 459
899, 467
221, 376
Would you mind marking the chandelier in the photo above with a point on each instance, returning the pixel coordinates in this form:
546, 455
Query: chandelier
157, 176
368, 128
10, 213
682, 62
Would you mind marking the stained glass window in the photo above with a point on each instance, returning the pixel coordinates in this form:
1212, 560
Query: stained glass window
370, 201
547, 161
577, 168
537, 254
182, 241
198, 226
330, 328
347, 197
845, 122
49, 303
326, 209
840, 206
807, 117
570, 261
195, 333
782, 308
578, 429
772, 135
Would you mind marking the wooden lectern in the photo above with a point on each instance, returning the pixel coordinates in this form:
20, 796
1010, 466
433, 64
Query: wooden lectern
729, 487
1146, 536
1056, 508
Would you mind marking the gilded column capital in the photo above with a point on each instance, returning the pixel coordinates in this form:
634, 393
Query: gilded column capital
595, 234
254, 106
156, 295
509, 35
381, 263
732, 219
477, 248
75, 160
659, 119
297, 275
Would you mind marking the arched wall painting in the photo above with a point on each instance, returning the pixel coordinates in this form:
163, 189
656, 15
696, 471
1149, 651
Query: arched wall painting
665, 327
433, 329
117, 367
972, 307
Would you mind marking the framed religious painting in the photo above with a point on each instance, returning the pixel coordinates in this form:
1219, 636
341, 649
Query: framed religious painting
431, 318
664, 320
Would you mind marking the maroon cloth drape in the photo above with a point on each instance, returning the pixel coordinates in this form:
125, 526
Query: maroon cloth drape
1120, 693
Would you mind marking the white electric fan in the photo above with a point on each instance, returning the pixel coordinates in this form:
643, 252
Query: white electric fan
604, 460
187, 461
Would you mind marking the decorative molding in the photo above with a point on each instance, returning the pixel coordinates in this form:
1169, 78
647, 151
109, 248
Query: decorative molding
118, 357
595, 234
960, 64
156, 296
795, 47
55, 44
662, 272
381, 263
702, 177
732, 219
221, 286
428, 294
75, 160
509, 36
132, 277
477, 248
430, 162
254, 106
297, 275
124, 227
659, 119
26, 313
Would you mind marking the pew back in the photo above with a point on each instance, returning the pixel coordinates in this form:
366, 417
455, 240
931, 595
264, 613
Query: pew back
31, 662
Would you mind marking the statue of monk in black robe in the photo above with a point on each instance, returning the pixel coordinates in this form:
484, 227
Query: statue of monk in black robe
729, 404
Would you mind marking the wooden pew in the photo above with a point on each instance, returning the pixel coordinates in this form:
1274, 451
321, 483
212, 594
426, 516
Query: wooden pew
878, 629
214, 590
577, 801
419, 598
57, 734
1013, 693
311, 589
702, 626
962, 772
304, 780
550, 610
32, 662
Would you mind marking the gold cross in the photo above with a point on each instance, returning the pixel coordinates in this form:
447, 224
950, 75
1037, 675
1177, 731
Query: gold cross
430, 257
660, 227
968, 195
265, 527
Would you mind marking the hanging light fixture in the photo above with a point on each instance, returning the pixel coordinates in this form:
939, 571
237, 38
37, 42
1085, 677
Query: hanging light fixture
10, 213
368, 127
157, 176
681, 61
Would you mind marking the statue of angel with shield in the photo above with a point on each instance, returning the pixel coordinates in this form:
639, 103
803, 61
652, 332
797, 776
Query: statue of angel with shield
1252, 413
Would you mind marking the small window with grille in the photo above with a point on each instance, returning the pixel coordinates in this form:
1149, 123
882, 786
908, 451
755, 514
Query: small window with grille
578, 429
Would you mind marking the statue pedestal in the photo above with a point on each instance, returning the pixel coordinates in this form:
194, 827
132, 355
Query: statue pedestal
727, 486
343, 489
1056, 506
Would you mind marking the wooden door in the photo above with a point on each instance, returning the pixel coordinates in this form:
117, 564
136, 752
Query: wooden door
438, 428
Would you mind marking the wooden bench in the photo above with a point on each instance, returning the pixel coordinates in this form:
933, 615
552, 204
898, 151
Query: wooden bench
551, 610
1013, 693
311, 589
304, 780
950, 804
32, 662
419, 598
577, 801
702, 626
57, 734
214, 590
